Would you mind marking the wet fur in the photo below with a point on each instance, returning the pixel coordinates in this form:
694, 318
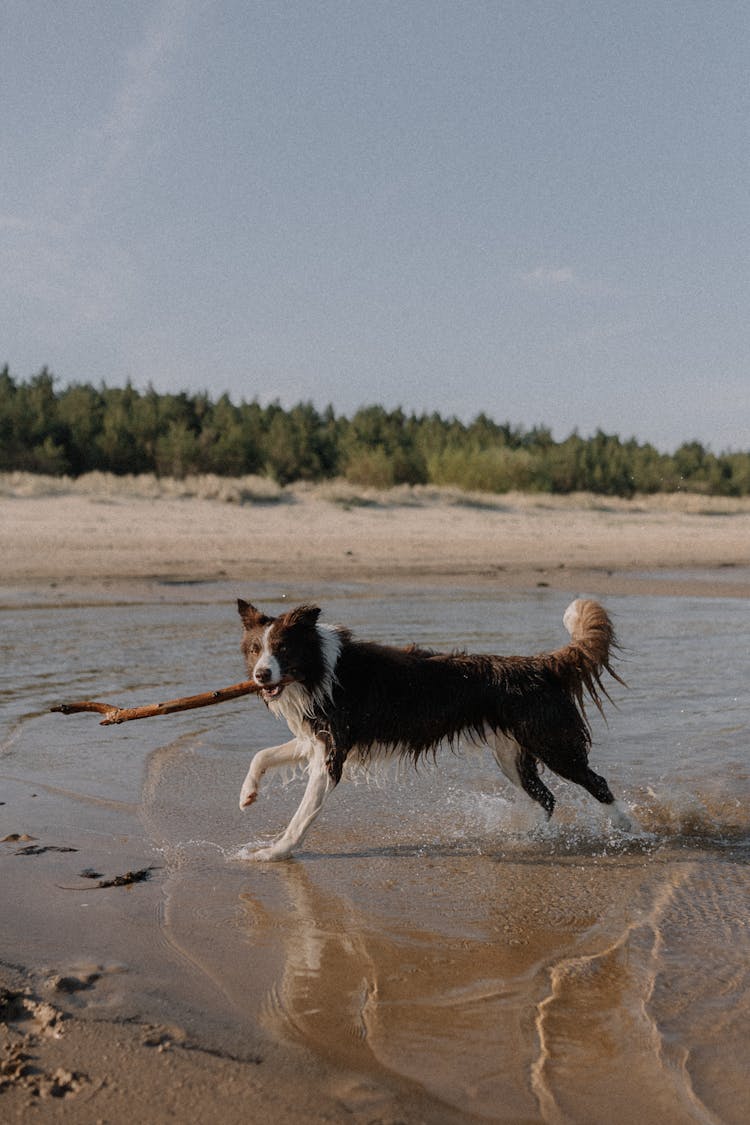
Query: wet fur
342, 697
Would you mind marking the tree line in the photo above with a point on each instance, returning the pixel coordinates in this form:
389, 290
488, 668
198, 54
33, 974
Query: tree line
82, 428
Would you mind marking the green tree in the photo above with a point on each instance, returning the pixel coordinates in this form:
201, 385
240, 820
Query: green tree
380, 448
81, 411
80, 428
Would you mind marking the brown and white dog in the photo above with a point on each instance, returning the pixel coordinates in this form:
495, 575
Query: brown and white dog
346, 698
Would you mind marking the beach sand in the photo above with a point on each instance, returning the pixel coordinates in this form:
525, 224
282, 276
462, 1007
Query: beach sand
62, 1055
335, 532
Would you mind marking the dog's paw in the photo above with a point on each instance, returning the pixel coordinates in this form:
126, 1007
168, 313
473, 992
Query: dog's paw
265, 855
247, 797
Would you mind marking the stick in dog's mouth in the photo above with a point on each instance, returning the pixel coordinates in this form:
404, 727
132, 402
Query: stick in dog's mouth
275, 691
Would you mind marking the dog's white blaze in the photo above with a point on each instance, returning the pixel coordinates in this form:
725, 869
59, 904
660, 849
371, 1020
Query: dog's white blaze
267, 662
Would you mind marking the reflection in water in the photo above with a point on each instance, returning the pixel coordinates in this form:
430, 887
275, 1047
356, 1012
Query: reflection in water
324, 944
549, 1017
394, 1001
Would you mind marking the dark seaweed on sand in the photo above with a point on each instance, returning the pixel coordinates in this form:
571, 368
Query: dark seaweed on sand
125, 880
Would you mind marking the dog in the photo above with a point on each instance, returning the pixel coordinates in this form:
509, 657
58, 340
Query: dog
343, 697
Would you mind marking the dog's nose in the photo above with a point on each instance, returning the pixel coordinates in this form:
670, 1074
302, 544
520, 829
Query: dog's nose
262, 675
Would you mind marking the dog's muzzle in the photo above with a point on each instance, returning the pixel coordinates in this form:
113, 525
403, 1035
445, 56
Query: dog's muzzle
273, 692
269, 690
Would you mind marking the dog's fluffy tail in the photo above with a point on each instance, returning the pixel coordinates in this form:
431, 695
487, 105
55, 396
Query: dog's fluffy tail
589, 654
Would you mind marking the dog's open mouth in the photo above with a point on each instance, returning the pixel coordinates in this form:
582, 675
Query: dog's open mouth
273, 692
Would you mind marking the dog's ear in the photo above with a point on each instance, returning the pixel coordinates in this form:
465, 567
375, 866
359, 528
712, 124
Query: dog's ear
249, 614
303, 615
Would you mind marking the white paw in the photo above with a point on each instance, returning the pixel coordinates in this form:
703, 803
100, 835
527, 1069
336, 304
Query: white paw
248, 794
264, 855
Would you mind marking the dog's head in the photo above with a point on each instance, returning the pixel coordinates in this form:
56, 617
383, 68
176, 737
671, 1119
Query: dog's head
281, 650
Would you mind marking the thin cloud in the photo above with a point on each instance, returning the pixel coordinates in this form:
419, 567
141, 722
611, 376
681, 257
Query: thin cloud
562, 279
145, 82
546, 277
72, 272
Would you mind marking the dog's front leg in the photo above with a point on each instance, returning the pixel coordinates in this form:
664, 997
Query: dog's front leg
319, 783
271, 758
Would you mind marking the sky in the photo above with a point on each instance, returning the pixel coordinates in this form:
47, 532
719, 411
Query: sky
535, 209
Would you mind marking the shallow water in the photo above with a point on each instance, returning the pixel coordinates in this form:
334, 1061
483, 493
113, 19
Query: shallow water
433, 933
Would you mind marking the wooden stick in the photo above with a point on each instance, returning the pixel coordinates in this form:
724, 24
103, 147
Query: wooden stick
114, 714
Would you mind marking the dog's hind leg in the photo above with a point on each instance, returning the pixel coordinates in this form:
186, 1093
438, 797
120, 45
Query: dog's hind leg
319, 784
597, 787
520, 767
579, 772
532, 783
271, 758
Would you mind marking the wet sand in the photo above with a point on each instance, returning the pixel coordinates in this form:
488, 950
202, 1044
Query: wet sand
359, 981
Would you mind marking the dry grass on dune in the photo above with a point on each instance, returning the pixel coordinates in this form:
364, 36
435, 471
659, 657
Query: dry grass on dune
263, 490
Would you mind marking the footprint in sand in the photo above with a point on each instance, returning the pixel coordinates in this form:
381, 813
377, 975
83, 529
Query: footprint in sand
26, 1020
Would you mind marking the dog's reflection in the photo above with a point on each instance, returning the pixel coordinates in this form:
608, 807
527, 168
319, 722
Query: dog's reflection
372, 995
327, 989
